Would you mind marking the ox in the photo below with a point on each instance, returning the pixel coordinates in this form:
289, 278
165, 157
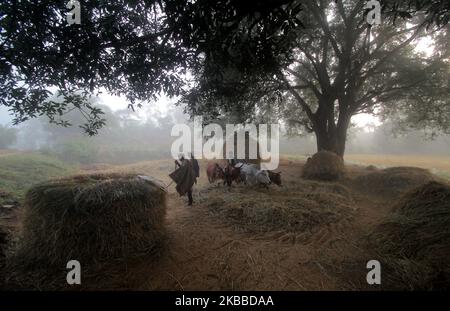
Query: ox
275, 178
214, 172
252, 175
232, 173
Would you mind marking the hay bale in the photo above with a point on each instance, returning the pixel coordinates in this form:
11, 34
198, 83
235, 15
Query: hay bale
91, 218
393, 181
324, 165
415, 240
371, 167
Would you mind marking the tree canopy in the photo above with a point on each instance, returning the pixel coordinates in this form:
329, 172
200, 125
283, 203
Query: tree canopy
139, 49
337, 65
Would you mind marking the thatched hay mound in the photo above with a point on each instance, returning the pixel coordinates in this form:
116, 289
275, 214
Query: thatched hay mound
91, 218
393, 181
371, 168
299, 210
324, 165
415, 240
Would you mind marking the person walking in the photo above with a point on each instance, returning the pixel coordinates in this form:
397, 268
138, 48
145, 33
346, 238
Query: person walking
184, 177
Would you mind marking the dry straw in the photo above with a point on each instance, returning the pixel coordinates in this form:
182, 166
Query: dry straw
414, 241
91, 218
393, 181
324, 165
304, 208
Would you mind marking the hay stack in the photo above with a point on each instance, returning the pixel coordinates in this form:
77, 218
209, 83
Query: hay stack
415, 240
324, 165
393, 181
371, 168
91, 218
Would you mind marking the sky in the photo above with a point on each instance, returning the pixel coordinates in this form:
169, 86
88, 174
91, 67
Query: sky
162, 106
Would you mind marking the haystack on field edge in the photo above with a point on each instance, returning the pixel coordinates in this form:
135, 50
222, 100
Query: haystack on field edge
94, 219
324, 165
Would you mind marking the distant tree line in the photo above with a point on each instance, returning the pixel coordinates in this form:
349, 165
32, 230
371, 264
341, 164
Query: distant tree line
8, 136
316, 62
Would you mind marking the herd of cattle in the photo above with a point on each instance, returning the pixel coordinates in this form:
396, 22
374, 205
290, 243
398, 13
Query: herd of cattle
249, 174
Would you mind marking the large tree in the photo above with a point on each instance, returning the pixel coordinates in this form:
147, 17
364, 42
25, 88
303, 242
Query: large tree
337, 66
141, 48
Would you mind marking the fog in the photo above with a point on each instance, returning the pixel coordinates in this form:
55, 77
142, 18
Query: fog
380, 139
145, 135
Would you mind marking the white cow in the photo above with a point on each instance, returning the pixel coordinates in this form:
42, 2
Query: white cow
252, 175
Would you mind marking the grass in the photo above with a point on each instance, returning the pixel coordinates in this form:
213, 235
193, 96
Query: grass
19, 171
294, 157
438, 165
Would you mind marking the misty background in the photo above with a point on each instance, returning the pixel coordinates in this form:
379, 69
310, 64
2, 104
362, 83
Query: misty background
131, 136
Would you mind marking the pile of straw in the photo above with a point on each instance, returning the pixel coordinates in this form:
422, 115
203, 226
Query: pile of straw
90, 218
393, 181
299, 210
414, 242
324, 165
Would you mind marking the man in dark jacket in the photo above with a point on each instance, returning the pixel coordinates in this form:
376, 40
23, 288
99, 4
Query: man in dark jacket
195, 166
184, 177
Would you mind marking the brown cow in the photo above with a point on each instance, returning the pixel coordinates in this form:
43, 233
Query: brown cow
214, 172
232, 174
275, 177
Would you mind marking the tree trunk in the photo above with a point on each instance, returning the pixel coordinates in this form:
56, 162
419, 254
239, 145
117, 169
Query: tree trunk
331, 142
332, 138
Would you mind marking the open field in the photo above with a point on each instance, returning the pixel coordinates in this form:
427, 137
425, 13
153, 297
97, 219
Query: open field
230, 241
20, 170
439, 165
7, 152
